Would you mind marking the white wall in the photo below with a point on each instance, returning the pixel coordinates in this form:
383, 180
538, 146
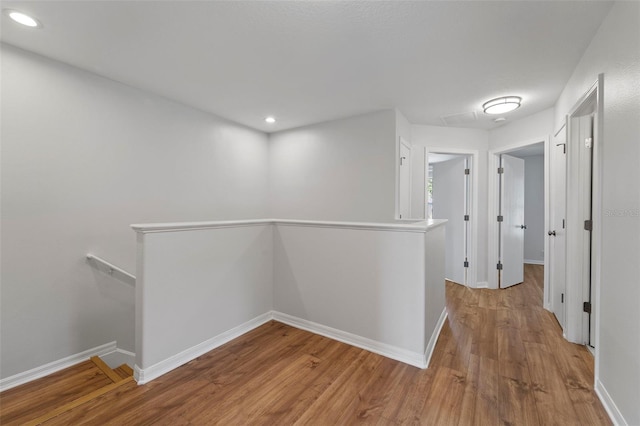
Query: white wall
196, 285
463, 139
615, 51
376, 284
82, 158
534, 208
340, 170
529, 129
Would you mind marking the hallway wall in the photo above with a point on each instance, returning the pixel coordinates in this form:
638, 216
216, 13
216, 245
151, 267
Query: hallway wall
534, 208
342, 170
82, 158
615, 51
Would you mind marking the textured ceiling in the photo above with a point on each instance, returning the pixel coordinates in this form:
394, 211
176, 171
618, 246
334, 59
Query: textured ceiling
307, 62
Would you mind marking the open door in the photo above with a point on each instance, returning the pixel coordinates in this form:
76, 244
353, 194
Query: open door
511, 221
450, 188
557, 233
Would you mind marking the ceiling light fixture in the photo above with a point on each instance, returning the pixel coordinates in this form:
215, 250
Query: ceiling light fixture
501, 105
22, 18
270, 120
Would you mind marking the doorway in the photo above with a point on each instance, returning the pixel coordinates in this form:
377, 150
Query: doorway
583, 221
448, 197
451, 193
522, 210
518, 217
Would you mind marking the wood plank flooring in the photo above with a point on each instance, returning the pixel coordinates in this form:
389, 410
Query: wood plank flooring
500, 359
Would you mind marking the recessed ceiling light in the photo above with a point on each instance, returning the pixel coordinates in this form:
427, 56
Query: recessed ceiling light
22, 18
500, 119
501, 105
270, 120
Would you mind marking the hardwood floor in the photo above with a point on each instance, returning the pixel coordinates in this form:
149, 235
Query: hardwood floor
500, 359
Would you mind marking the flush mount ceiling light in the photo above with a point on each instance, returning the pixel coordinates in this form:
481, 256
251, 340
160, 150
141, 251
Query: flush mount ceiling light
270, 120
22, 18
501, 105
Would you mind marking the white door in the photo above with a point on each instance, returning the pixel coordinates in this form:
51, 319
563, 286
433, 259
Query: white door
449, 187
512, 221
585, 144
404, 181
557, 233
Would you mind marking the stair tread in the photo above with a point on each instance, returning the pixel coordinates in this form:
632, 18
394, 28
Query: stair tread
40, 396
124, 371
113, 375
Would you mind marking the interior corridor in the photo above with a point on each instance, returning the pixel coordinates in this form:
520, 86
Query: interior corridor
500, 359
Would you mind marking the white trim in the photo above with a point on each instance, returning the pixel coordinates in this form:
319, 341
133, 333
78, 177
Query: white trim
534, 262
472, 274
118, 357
434, 336
145, 375
576, 320
416, 226
403, 355
610, 406
52, 367
189, 226
482, 284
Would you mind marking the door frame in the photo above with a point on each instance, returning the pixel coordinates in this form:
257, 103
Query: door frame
403, 141
472, 273
493, 200
574, 320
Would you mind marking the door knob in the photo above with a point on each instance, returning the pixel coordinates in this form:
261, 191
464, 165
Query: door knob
523, 226
552, 233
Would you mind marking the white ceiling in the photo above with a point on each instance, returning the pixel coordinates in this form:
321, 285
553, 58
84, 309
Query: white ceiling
440, 158
528, 151
307, 62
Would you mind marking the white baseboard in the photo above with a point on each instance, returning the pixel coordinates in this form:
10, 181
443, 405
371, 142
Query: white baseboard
408, 357
434, 337
118, 357
534, 262
609, 405
145, 375
52, 367
482, 284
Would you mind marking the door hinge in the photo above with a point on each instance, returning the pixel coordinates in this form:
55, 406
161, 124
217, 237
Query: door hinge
500, 218
467, 171
499, 266
400, 216
588, 225
586, 306
466, 263
466, 218
561, 297
588, 143
562, 223
500, 170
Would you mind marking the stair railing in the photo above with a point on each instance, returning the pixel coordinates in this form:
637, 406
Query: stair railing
111, 269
